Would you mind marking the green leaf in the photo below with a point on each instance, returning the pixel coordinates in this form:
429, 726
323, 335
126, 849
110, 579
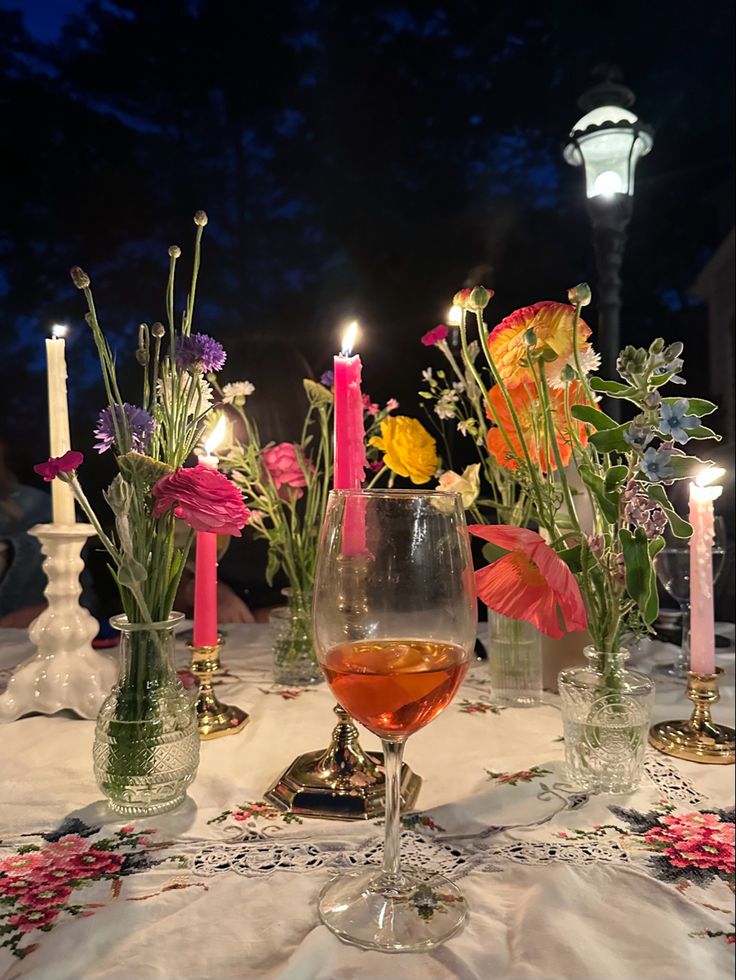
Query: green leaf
696, 406
703, 432
272, 565
686, 467
131, 572
611, 440
608, 502
615, 476
641, 583
142, 468
571, 557
317, 393
613, 388
680, 527
593, 416
655, 546
492, 552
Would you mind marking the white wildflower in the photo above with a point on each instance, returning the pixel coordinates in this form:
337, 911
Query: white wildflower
590, 361
237, 390
195, 392
445, 407
427, 374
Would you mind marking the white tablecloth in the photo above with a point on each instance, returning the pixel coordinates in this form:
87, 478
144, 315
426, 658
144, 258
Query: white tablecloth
560, 886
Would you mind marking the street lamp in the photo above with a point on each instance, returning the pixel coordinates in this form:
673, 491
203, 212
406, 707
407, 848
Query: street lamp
608, 142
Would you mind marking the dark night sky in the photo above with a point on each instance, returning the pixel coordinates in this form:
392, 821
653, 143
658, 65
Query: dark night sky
355, 160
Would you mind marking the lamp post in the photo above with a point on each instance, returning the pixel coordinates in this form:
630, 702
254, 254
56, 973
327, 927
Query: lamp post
608, 142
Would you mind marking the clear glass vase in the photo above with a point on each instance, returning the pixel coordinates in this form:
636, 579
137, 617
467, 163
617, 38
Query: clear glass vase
514, 660
146, 748
606, 710
294, 657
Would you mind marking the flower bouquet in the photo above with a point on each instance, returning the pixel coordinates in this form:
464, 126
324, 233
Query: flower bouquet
591, 564
146, 748
286, 486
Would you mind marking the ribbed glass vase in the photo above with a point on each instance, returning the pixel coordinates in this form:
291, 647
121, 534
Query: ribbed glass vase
514, 660
146, 749
606, 710
294, 657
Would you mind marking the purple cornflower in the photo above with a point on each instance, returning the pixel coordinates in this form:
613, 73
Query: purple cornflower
139, 423
328, 379
199, 352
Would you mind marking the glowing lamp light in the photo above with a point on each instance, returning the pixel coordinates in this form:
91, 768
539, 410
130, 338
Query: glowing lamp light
454, 316
608, 142
59, 331
216, 436
349, 338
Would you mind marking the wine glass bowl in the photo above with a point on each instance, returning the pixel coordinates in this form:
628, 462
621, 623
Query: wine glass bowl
394, 623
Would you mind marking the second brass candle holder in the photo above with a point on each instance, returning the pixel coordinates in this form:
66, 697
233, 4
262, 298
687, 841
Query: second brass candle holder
699, 738
214, 719
341, 782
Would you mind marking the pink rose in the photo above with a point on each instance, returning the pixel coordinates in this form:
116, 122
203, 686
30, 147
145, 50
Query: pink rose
286, 465
371, 407
695, 840
434, 336
391, 405
202, 498
59, 464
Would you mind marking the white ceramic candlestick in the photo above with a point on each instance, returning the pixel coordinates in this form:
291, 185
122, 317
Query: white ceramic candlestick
65, 672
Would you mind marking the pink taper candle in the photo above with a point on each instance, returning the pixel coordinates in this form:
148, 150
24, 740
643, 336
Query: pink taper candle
205, 564
702, 626
349, 439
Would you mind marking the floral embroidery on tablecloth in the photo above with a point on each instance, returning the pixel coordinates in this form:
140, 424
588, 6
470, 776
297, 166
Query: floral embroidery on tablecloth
287, 693
42, 881
252, 812
522, 776
469, 707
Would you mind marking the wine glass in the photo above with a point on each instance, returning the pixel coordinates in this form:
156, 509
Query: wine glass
394, 627
673, 571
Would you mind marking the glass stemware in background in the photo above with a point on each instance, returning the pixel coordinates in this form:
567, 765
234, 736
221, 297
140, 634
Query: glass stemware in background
673, 571
394, 627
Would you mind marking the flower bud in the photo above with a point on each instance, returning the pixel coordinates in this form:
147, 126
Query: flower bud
158, 330
461, 298
141, 355
530, 337
672, 352
479, 298
656, 346
652, 400
567, 373
580, 295
201, 219
174, 251
79, 277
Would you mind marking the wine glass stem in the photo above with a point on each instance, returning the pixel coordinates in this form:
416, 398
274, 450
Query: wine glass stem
393, 753
684, 660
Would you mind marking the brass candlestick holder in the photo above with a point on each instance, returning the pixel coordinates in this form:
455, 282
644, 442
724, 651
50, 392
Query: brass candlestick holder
698, 739
214, 719
340, 783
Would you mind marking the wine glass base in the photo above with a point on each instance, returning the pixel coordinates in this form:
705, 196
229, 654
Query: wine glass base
675, 671
408, 913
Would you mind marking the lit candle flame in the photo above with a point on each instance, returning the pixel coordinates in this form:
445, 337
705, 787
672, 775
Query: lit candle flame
216, 436
454, 316
349, 338
59, 331
709, 475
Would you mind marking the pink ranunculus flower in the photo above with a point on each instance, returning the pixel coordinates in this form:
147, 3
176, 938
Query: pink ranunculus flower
695, 840
203, 498
59, 464
435, 335
286, 465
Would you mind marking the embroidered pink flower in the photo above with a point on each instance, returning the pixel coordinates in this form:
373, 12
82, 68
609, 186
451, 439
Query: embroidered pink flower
71, 844
435, 335
202, 498
47, 896
59, 464
93, 863
695, 840
30, 919
287, 467
531, 582
19, 865
127, 829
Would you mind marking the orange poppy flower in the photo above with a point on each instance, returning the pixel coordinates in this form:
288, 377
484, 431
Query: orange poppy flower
529, 412
552, 323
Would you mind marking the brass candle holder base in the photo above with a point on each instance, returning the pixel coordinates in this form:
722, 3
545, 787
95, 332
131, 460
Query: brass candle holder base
698, 739
214, 719
340, 783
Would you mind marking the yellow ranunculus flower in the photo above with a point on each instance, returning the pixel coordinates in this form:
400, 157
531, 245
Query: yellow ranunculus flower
409, 450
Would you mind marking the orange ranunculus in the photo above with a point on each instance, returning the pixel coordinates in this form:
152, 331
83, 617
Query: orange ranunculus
531, 420
552, 323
